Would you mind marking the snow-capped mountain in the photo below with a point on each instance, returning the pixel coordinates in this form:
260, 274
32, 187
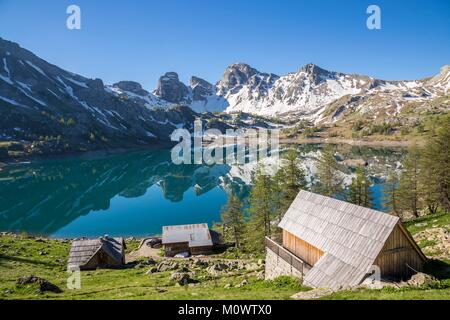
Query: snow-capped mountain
42, 102
308, 93
54, 110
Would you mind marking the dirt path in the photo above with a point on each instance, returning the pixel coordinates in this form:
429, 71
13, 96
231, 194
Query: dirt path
144, 251
312, 294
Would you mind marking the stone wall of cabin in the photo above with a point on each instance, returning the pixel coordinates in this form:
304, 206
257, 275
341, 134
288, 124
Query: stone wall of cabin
277, 266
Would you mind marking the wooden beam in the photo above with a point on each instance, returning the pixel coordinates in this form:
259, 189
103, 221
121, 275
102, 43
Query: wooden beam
413, 243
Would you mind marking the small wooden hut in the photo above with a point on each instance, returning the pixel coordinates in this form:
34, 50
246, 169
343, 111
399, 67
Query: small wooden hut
340, 243
97, 253
193, 238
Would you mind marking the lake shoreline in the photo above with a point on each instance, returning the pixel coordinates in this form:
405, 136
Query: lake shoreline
352, 142
29, 158
105, 152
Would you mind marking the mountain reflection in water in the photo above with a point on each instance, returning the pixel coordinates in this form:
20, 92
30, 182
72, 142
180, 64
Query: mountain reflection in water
136, 193
45, 197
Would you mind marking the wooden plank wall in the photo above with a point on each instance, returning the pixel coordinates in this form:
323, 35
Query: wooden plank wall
396, 254
302, 249
201, 250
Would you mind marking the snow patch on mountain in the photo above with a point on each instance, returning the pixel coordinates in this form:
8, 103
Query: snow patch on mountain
305, 94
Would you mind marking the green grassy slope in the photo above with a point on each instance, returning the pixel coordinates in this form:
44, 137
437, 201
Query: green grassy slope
23, 256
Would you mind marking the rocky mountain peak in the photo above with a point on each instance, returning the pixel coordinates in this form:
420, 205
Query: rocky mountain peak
237, 75
314, 73
312, 69
200, 88
240, 74
196, 81
171, 89
131, 86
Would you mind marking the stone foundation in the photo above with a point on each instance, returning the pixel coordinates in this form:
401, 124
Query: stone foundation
276, 267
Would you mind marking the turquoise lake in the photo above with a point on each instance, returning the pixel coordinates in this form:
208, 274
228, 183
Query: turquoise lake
136, 193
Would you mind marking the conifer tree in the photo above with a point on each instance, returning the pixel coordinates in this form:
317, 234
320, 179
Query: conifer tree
329, 181
359, 190
435, 168
288, 181
409, 197
390, 194
260, 211
233, 220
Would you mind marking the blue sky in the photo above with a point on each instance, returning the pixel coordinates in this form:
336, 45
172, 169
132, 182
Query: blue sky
140, 40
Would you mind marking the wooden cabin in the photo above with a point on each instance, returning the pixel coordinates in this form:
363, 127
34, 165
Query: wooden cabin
193, 238
339, 244
89, 254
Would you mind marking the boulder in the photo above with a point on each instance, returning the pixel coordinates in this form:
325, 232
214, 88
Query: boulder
261, 275
182, 278
183, 269
199, 263
242, 284
252, 266
152, 270
167, 266
44, 285
217, 268
421, 279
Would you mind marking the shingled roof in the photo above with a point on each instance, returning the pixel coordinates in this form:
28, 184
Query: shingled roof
82, 251
350, 236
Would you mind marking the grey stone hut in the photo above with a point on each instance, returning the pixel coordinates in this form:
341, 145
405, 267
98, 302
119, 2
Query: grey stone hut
332, 244
90, 254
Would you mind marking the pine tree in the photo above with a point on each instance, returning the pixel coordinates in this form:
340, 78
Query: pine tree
390, 194
260, 211
359, 190
288, 181
330, 183
435, 168
409, 197
278, 195
429, 181
233, 220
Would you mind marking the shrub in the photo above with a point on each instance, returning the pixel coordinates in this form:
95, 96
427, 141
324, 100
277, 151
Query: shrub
358, 125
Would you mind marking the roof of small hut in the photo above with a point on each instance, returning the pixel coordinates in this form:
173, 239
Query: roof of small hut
197, 235
351, 237
82, 251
